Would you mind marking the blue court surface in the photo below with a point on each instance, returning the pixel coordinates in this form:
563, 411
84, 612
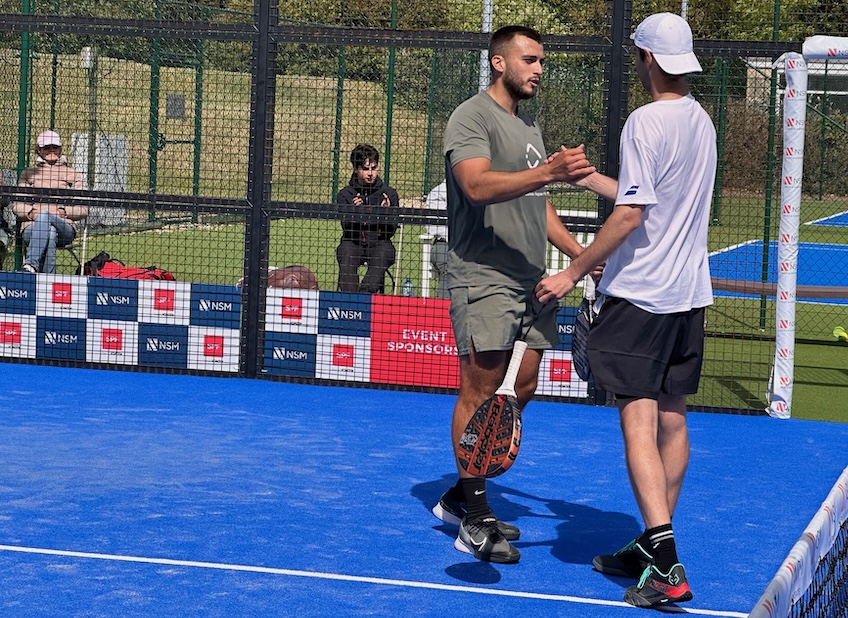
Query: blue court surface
837, 220
818, 264
128, 494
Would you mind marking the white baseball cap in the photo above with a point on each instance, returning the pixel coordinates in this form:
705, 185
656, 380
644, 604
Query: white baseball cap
49, 138
669, 39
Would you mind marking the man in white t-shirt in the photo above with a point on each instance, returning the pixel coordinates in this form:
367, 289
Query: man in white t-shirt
646, 344
438, 199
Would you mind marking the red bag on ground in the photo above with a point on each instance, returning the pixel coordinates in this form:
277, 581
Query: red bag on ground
102, 265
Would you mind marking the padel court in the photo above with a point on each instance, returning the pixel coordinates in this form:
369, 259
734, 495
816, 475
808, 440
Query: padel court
819, 264
128, 494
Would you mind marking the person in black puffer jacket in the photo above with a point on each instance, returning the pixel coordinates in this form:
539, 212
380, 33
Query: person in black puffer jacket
363, 241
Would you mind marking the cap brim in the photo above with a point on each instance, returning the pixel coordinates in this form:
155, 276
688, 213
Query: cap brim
679, 64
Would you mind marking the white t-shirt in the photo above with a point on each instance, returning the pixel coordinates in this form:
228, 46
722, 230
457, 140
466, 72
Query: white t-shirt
438, 198
668, 163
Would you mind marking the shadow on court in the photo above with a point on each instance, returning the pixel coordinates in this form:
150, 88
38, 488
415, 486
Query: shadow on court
582, 532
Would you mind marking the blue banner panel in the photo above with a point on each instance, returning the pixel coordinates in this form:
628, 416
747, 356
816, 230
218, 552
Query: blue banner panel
290, 354
344, 314
162, 345
112, 299
215, 305
60, 338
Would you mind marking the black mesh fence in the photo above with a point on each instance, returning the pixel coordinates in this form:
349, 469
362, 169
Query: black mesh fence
212, 140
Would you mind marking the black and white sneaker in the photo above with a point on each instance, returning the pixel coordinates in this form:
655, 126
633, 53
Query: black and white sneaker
27, 268
452, 511
482, 539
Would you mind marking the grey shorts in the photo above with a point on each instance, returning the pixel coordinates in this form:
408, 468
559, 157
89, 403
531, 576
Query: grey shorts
491, 317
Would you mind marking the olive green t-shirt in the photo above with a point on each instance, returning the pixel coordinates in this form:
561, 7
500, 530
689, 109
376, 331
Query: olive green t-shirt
503, 243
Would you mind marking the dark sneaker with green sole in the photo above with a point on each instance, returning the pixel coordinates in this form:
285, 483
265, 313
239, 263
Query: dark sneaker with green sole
658, 588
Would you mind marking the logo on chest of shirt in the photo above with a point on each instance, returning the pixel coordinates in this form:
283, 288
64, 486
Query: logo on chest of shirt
532, 156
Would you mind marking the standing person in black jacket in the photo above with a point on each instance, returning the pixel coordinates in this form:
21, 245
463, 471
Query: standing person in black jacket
364, 241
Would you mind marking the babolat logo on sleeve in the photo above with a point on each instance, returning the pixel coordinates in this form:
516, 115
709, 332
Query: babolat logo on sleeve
112, 299
17, 293
60, 338
290, 354
162, 345
632, 190
215, 305
344, 314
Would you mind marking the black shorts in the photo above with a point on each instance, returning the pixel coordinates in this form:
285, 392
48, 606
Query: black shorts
635, 353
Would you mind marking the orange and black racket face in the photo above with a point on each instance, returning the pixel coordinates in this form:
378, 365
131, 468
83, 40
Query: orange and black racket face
491, 440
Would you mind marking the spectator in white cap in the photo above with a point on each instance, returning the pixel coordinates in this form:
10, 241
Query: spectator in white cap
45, 225
647, 343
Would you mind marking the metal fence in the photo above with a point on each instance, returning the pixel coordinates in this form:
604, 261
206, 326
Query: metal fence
213, 141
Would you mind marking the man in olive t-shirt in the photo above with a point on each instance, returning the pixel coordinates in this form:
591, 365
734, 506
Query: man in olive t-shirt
499, 223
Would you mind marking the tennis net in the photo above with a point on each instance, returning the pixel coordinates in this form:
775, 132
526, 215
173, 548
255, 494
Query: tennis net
813, 580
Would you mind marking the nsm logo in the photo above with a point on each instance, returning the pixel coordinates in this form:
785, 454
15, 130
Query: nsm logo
51, 337
280, 353
337, 313
154, 344
6, 293
214, 305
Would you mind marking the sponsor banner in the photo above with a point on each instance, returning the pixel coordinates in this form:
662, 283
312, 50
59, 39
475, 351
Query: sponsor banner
565, 318
162, 345
60, 338
112, 299
213, 349
61, 295
111, 341
344, 314
340, 357
17, 335
558, 377
17, 293
215, 305
164, 302
412, 342
289, 354
289, 310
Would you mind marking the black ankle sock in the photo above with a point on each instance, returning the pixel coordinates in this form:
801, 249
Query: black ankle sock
659, 542
474, 492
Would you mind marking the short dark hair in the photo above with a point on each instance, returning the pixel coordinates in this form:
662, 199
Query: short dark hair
503, 37
643, 55
362, 154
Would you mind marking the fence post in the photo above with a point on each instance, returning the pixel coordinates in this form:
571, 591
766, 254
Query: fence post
619, 14
260, 155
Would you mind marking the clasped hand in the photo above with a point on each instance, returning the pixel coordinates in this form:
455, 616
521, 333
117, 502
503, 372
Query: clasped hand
569, 164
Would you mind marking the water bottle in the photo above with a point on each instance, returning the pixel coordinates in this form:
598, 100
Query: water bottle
407, 289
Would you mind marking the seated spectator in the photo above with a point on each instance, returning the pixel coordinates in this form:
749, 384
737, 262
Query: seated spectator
365, 242
438, 199
5, 231
46, 226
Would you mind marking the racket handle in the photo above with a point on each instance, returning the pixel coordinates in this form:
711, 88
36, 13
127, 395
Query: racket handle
508, 385
588, 287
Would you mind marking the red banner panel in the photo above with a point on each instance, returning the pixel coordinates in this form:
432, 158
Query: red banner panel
412, 342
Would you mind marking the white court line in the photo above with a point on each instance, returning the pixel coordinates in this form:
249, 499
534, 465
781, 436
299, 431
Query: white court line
839, 214
349, 578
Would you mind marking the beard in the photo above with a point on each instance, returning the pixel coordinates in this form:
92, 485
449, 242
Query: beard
517, 88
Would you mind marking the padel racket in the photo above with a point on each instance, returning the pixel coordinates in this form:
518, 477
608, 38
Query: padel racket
492, 438
580, 337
